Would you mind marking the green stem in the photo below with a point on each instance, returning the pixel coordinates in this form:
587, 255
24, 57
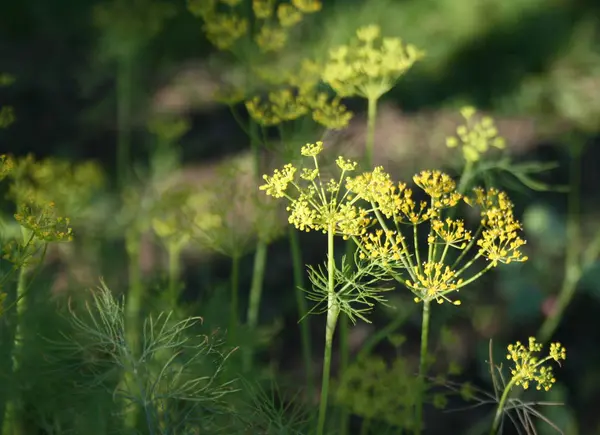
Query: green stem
258, 274
235, 283
500, 409
133, 316
124, 117
370, 143
11, 424
174, 275
333, 311
465, 177
297, 269
344, 339
422, 367
572, 266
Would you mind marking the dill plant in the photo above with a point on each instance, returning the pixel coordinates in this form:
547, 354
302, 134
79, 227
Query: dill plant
262, 30
175, 375
528, 368
385, 220
44, 192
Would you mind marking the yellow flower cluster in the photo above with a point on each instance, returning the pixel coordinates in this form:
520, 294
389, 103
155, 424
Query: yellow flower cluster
434, 278
528, 368
7, 165
369, 66
445, 267
500, 241
297, 97
272, 22
44, 223
318, 205
476, 137
433, 281
69, 186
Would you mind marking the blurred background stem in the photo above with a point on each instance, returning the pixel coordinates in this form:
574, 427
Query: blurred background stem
124, 117
133, 315
235, 288
573, 263
298, 275
258, 274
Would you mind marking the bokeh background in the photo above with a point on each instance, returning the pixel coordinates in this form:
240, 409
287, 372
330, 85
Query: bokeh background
534, 65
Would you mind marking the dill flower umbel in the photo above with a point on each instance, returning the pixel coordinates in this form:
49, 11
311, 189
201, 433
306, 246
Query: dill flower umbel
475, 136
370, 65
318, 205
447, 261
529, 368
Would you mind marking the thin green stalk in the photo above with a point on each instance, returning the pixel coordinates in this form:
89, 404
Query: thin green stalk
134, 295
174, 252
124, 117
11, 424
235, 284
422, 367
297, 271
258, 274
333, 311
344, 347
133, 316
12, 334
465, 177
500, 409
572, 260
370, 143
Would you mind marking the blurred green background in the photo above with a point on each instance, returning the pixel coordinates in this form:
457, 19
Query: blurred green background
534, 65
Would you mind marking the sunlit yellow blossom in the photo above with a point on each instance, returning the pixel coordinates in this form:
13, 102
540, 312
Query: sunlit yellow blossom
282, 105
44, 223
271, 38
345, 164
368, 33
452, 232
500, 241
440, 187
384, 247
288, 15
319, 205
308, 6
490, 199
411, 211
369, 66
434, 282
375, 186
476, 136
312, 149
277, 183
329, 113
223, 30
528, 368
263, 9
